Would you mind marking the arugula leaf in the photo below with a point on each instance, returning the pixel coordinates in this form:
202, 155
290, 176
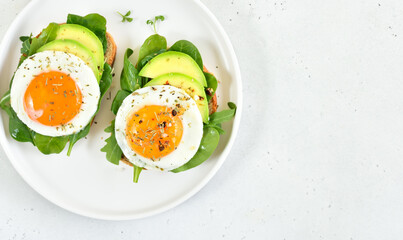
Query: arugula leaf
24, 38
117, 101
224, 115
94, 22
136, 174
47, 35
26, 45
126, 17
48, 145
188, 48
156, 19
152, 44
212, 84
112, 149
129, 78
208, 144
104, 84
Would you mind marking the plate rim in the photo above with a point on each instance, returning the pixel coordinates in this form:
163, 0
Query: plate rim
165, 207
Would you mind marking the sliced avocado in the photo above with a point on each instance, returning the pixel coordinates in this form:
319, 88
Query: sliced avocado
173, 62
76, 48
84, 36
189, 85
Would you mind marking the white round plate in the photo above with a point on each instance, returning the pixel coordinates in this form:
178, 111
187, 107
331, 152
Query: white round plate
86, 183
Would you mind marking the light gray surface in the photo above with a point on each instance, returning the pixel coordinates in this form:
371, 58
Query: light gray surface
319, 152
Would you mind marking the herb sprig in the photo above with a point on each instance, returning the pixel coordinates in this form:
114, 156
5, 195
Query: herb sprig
153, 22
126, 18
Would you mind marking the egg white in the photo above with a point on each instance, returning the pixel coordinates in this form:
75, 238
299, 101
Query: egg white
56, 61
163, 95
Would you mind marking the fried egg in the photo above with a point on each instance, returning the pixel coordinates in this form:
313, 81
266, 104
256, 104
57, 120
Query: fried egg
54, 93
159, 127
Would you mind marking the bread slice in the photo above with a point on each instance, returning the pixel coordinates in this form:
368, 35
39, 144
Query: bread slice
111, 48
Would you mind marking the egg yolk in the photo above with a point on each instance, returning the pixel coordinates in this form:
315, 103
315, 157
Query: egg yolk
52, 98
154, 131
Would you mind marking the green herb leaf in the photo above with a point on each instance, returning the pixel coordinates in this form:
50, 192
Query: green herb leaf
160, 17
212, 84
104, 84
94, 22
47, 35
153, 23
49, 145
112, 149
117, 101
26, 45
223, 116
137, 171
126, 18
208, 144
129, 77
24, 38
77, 136
188, 48
151, 45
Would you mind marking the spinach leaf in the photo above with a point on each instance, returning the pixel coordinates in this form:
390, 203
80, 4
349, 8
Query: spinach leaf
189, 49
136, 175
18, 130
211, 85
47, 35
112, 149
207, 146
94, 22
224, 115
217, 127
73, 138
5, 103
129, 78
48, 145
104, 84
147, 58
117, 101
152, 44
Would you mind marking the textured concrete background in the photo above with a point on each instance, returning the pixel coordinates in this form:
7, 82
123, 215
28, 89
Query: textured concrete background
319, 152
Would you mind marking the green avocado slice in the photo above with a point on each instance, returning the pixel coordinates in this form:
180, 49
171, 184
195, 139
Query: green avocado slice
76, 48
84, 36
173, 62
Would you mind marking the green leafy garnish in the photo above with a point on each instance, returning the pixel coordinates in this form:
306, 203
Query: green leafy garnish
208, 144
188, 48
94, 22
136, 173
129, 78
112, 149
224, 115
48, 145
151, 45
117, 101
212, 84
126, 18
154, 21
